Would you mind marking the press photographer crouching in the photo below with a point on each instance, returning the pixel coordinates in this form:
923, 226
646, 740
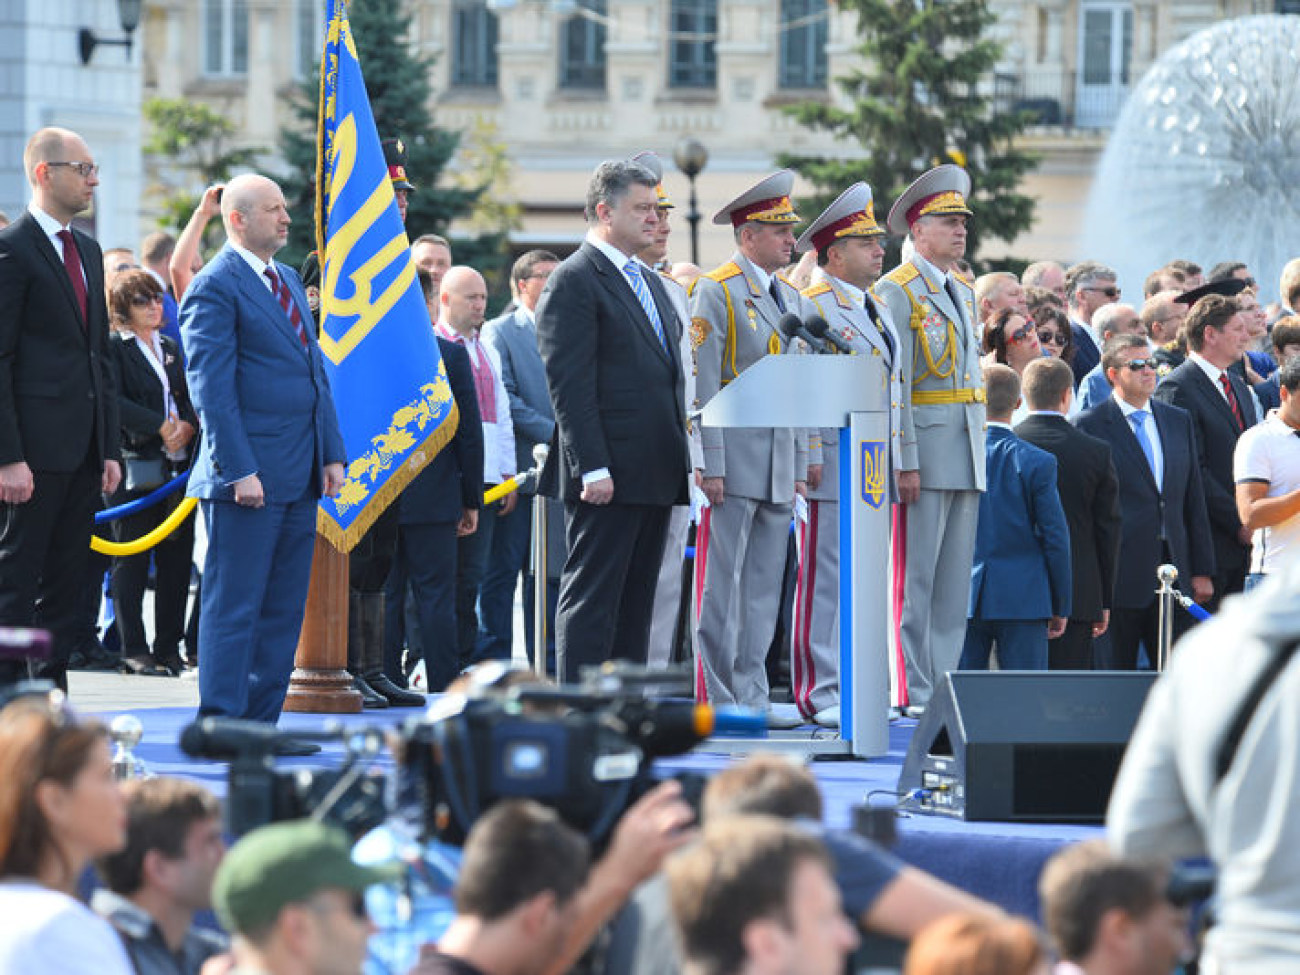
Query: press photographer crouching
1213, 770
584, 752
60, 807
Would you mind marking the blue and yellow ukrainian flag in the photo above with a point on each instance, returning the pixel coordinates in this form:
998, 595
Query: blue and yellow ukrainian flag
390, 386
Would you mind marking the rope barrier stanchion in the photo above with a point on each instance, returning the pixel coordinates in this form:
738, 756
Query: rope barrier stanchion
148, 541
499, 491
139, 504
1168, 575
538, 559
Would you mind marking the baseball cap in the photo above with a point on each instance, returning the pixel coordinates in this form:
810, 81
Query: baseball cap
286, 863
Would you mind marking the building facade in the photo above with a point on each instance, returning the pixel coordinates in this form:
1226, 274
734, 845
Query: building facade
567, 83
43, 81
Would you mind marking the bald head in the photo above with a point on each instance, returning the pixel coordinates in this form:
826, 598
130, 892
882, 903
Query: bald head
463, 296
255, 214
54, 160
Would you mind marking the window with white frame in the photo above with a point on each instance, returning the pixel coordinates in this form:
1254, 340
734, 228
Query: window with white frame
225, 38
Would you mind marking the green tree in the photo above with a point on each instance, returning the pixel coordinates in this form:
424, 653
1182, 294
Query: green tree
196, 139
922, 97
397, 81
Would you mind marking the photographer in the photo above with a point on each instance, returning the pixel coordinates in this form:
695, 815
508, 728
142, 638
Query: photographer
1213, 769
516, 893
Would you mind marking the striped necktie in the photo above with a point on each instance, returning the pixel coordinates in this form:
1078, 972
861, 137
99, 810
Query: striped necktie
281, 292
642, 291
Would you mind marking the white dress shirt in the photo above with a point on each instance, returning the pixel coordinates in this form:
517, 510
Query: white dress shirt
1152, 432
498, 437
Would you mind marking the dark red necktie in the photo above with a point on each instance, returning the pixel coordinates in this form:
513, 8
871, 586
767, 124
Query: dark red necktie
281, 292
72, 264
1232, 401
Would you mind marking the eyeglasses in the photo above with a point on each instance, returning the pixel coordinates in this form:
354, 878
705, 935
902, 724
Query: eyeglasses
1050, 336
1111, 292
144, 301
83, 169
1137, 365
1020, 334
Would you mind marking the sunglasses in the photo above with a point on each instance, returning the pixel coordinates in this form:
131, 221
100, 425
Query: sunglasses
1020, 334
1111, 292
1250, 282
1051, 337
1137, 365
144, 301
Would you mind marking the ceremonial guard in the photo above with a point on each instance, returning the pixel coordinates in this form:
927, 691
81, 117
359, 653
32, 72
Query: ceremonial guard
941, 471
750, 476
849, 256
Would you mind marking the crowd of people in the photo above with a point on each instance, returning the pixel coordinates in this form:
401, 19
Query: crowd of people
1049, 446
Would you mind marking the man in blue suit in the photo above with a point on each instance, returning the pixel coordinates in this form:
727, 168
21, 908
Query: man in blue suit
271, 447
514, 337
1020, 579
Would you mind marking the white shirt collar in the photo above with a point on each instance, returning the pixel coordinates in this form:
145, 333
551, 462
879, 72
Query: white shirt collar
928, 269
616, 256
1207, 367
527, 314
258, 265
1127, 408
46, 222
1046, 413
856, 294
749, 267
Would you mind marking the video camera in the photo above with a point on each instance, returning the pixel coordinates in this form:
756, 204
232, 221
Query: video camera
585, 750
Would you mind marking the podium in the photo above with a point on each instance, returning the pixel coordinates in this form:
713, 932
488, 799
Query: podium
850, 392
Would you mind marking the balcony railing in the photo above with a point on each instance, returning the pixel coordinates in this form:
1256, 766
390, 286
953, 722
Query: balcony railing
1059, 99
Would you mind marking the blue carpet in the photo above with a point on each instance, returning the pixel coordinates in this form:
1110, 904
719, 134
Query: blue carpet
996, 861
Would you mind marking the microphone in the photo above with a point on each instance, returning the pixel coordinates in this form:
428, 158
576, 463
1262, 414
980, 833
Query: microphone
792, 328
227, 737
818, 327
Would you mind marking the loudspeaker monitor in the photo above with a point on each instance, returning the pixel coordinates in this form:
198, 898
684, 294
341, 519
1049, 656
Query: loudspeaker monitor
1023, 746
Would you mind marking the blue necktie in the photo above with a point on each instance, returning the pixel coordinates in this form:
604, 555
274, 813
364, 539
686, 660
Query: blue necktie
1139, 418
642, 291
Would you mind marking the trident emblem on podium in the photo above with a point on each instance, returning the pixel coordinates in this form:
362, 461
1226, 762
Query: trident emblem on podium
875, 465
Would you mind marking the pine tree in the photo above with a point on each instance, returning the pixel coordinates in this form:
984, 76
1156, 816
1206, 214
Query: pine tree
920, 99
397, 81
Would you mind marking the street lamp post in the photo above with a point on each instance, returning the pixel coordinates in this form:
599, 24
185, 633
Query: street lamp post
691, 158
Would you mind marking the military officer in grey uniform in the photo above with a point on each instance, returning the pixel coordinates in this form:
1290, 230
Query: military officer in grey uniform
849, 255
942, 462
668, 588
750, 476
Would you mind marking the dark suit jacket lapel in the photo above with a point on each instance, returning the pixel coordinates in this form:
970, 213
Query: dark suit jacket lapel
614, 281
1206, 385
47, 251
1126, 441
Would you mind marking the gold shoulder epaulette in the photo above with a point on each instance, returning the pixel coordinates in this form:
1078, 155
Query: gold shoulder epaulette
720, 274
668, 278
964, 280
812, 291
902, 274
787, 281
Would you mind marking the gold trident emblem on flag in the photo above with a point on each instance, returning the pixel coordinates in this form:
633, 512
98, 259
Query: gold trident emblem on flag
874, 467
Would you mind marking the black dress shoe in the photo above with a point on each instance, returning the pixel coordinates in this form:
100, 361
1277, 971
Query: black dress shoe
296, 749
143, 665
174, 665
370, 698
397, 697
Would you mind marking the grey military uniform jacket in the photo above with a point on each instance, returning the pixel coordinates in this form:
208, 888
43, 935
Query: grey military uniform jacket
851, 322
943, 415
733, 325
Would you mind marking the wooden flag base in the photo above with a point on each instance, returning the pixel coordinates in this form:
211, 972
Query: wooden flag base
320, 683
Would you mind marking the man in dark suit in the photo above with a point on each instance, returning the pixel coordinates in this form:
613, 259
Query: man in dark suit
1221, 408
1085, 479
1088, 286
271, 447
440, 506
1162, 505
1020, 578
608, 336
58, 408
514, 336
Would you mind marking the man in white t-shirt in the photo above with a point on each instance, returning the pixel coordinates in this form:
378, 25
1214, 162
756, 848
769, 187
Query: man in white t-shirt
1266, 469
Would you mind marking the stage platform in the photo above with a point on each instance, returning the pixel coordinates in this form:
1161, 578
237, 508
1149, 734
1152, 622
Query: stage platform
997, 861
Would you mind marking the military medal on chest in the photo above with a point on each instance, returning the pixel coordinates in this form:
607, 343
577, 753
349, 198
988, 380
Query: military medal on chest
935, 327
752, 312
